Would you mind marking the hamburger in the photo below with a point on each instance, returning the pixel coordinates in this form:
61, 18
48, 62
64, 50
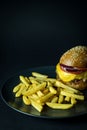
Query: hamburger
72, 67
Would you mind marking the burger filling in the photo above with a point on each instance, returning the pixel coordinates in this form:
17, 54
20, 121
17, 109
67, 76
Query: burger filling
74, 77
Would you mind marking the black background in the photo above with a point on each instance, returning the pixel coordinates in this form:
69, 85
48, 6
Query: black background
37, 34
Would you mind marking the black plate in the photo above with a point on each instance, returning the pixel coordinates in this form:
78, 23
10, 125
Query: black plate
18, 105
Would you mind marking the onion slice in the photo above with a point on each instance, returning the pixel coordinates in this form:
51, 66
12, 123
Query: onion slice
70, 69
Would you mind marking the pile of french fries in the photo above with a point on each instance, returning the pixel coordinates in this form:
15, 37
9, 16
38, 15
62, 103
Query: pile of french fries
39, 90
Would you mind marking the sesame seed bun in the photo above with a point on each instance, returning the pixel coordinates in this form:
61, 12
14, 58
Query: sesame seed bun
75, 57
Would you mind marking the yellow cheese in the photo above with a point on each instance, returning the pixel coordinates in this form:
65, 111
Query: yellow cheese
66, 76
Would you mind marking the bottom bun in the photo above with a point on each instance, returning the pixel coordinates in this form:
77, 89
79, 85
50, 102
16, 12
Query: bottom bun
78, 84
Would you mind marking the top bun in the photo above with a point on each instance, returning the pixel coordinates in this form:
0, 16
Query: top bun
75, 57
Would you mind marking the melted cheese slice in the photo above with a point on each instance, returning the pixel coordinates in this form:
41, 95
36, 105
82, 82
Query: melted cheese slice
66, 76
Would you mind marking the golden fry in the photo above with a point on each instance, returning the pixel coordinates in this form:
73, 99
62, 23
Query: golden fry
52, 90
54, 99
52, 80
19, 92
33, 80
67, 98
59, 106
23, 80
45, 98
61, 98
45, 91
35, 74
76, 96
40, 94
34, 96
26, 100
16, 88
26, 78
36, 105
73, 100
34, 90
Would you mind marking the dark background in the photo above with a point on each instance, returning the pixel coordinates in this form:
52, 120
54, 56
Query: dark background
37, 34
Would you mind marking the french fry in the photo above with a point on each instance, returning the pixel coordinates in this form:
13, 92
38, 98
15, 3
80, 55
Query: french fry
76, 96
25, 89
49, 83
54, 99
19, 92
36, 105
73, 100
23, 80
52, 80
45, 98
34, 96
33, 80
40, 80
45, 91
67, 98
26, 78
35, 74
16, 88
52, 90
26, 100
61, 99
58, 105
35, 89
40, 94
